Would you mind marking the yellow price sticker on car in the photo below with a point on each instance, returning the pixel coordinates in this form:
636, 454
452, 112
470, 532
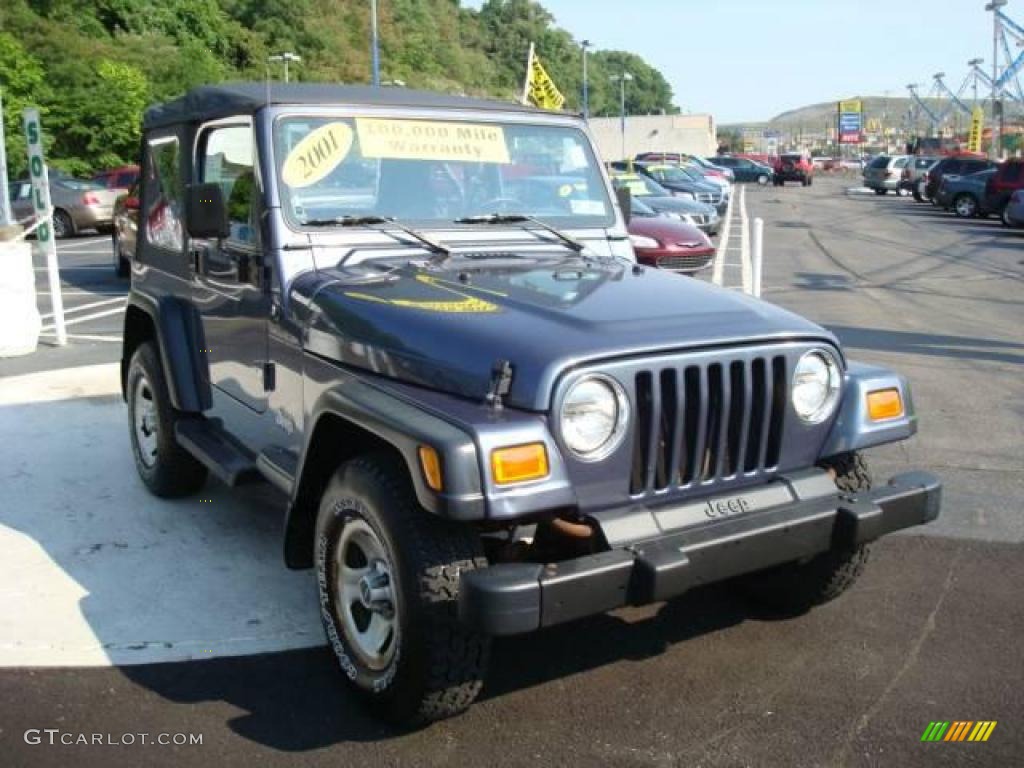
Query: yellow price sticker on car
317, 155
431, 140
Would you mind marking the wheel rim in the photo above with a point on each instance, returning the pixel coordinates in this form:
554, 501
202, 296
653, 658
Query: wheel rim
762, 180
146, 425
60, 225
117, 250
365, 595
964, 206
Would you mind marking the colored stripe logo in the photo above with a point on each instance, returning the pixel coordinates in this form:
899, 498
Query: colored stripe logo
959, 730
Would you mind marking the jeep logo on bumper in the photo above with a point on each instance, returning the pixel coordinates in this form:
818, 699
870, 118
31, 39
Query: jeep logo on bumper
737, 505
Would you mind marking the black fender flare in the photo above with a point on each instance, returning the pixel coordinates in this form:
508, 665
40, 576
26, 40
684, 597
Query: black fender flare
179, 338
368, 418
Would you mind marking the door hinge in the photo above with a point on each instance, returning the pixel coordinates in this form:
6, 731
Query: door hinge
269, 377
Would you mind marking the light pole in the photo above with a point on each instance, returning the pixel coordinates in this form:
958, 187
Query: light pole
287, 57
622, 79
5, 203
374, 43
585, 44
997, 134
973, 64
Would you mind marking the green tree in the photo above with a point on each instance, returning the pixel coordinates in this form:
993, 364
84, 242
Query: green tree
23, 84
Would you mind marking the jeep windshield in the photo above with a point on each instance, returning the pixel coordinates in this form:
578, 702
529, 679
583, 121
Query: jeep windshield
432, 172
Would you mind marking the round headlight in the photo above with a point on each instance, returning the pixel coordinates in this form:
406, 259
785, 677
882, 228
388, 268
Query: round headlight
815, 390
593, 417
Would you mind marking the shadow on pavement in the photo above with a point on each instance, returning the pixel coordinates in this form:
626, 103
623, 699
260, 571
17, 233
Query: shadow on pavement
822, 281
522, 662
934, 345
297, 701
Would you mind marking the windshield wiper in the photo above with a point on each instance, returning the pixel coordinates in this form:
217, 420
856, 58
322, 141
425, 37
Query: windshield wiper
380, 224
522, 218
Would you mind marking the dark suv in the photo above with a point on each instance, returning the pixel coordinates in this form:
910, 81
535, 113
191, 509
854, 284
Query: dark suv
419, 318
960, 165
793, 166
1008, 178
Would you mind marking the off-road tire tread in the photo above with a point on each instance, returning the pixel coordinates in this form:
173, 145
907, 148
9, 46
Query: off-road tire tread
178, 473
456, 657
797, 587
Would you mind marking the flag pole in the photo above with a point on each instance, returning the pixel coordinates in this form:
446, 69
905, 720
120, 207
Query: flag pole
529, 74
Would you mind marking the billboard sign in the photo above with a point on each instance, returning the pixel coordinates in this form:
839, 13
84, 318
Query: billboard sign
851, 121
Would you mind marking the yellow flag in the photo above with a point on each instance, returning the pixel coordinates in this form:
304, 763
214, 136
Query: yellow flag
977, 126
540, 88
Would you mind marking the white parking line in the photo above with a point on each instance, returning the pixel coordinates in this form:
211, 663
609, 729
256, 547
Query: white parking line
94, 316
81, 266
86, 336
745, 243
83, 307
97, 244
723, 243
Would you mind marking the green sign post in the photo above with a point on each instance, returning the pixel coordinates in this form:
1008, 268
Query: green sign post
44, 216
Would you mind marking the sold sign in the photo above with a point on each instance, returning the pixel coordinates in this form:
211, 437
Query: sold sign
44, 214
38, 173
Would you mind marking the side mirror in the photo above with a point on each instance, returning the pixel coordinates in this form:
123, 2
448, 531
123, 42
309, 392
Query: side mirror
205, 213
625, 198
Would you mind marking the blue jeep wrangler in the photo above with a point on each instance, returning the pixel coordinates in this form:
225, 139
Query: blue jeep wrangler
419, 318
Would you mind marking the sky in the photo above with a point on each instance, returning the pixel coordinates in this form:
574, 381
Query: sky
749, 60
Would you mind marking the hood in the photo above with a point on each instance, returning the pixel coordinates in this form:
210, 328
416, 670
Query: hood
677, 205
666, 230
705, 187
446, 328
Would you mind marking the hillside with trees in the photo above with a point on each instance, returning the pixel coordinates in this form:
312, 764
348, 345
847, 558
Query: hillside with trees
92, 66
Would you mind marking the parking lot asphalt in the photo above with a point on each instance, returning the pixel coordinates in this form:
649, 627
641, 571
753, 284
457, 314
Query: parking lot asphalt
929, 633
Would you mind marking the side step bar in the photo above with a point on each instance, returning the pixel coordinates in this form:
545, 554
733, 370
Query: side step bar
207, 442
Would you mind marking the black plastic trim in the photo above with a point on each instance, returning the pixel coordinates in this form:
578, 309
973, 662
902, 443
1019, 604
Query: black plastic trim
513, 598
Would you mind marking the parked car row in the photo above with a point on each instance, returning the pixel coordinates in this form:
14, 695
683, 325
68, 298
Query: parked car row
78, 204
967, 184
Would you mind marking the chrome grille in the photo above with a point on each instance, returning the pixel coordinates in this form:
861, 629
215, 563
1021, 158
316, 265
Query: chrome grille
684, 262
707, 423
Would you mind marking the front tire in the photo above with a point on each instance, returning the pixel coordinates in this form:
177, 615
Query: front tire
793, 588
167, 469
965, 206
388, 575
879, 192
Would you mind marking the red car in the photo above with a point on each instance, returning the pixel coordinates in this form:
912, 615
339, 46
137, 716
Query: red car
668, 243
122, 177
793, 166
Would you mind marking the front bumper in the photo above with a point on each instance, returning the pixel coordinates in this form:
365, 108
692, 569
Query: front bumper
659, 553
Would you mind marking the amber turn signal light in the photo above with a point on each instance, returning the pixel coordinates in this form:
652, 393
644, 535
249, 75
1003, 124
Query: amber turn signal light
885, 404
519, 463
430, 462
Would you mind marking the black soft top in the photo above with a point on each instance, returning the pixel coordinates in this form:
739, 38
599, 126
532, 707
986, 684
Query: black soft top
209, 102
